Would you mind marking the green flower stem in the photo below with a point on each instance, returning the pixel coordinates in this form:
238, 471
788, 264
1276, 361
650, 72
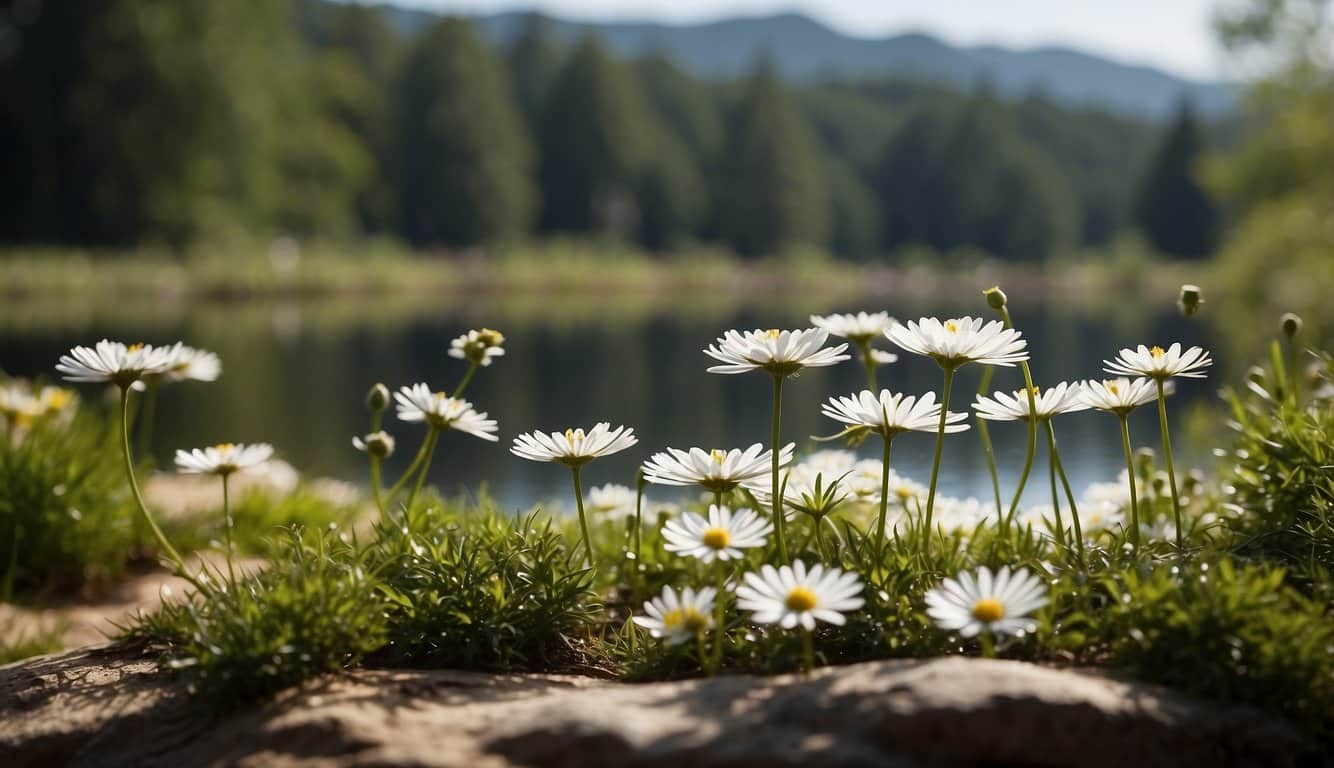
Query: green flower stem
1055, 499
982, 389
467, 377
639, 518
884, 499
431, 439
865, 348
1032, 425
227, 529
702, 652
375, 485
170, 551
820, 545
719, 619
988, 644
1069, 495
407, 473
773, 469
583, 521
807, 651
1130, 478
1171, 470
935, 463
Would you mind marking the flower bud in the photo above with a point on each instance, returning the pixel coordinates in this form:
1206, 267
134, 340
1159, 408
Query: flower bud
995, 297
378, 398
1190, 300
1144, 460
490, 337
1160, 480
379, 444
1291, 325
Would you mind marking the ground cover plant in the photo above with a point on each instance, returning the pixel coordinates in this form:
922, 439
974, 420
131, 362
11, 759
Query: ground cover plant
782, 561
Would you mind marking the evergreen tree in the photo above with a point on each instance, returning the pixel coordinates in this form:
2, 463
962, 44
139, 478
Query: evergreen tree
774, 194
594, 138
1172, 208
533, 61
463, 157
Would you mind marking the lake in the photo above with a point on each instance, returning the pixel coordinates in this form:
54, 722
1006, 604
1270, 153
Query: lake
296, 371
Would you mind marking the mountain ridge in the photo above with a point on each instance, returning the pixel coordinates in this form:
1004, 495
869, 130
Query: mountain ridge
804, 49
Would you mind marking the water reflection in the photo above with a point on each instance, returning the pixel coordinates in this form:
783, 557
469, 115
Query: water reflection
295, 374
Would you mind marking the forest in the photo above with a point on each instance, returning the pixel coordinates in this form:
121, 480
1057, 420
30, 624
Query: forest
130, 124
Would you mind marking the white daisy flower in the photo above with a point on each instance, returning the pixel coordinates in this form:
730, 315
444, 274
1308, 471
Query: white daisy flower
677, 618
1158, 364
960, 515
574, 447
612, 501
961, 340
223, 459
440, 411
832, 462
859, 328
999, 605
1004, 406
478, 346
717, 470
188, 363
791, 595
1119, 395
889, 414
379, 444
721, 537
781, 353
114, 362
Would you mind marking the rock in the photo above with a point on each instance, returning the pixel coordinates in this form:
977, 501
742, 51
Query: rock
110, 707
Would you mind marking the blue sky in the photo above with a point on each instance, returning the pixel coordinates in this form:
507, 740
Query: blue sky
1174, 35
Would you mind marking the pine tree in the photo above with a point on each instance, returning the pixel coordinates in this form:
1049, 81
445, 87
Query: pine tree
463, 157
774, 194
594, 138
1172, 208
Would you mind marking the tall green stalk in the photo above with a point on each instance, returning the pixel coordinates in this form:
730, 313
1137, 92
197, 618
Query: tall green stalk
1171, 470
868, 362
884, 498
170, 551
227, 529
1069, 495
719, 618
1130, 478
779, 523
431, 439
1032, 425
982, 430
583, 521
467, 377
935, 463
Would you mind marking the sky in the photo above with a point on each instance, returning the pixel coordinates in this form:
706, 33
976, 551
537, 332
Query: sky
1173, 35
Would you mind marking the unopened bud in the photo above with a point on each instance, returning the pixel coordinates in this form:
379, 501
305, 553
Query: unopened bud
379, 444
378, 398
1190, 300
1160, 482
1144, 460
1291, 324
995, 297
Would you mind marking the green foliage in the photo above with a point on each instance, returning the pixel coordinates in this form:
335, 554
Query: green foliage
462, 155
314, 609
259, 514
1236, 633
594, 142
67, 521
1279, 477
481, 591
774, 194
1172, 208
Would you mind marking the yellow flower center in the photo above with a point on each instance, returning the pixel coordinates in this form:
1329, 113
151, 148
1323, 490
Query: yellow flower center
224, 447
1037, 391
134, 347
951, 326
57, 400
688, 619
491, 338
988, 609
717, 538
1114, 388
773, 333
800, 599
1157, 353
719, 455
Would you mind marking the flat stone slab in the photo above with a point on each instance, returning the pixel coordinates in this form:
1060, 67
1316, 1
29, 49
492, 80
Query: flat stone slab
111, 707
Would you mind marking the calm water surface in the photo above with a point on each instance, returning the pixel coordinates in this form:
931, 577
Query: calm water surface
296, 372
